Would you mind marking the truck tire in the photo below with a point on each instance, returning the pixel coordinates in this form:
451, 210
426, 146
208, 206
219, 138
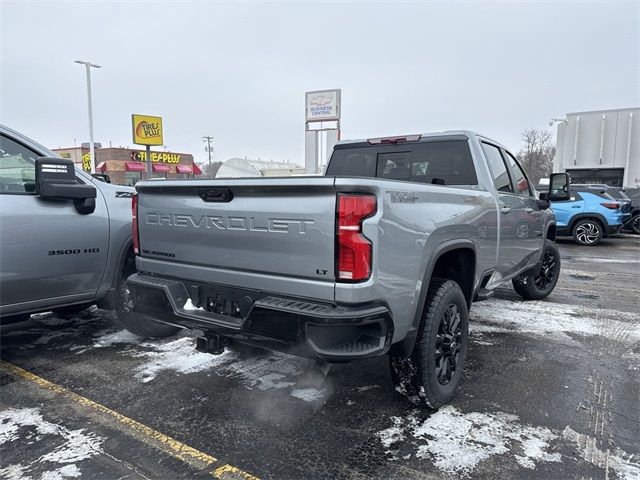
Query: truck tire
538, 285
634, 223
432, 372
587, 232
130, 320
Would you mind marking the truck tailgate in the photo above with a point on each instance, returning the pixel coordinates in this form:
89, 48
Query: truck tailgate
282, 227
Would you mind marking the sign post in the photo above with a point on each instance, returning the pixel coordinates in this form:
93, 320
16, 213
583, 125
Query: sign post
321, 106
147, 130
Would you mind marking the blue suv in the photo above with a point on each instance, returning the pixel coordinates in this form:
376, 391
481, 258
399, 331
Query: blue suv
589, 215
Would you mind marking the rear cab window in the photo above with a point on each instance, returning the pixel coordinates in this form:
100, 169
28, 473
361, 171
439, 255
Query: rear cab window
436, 162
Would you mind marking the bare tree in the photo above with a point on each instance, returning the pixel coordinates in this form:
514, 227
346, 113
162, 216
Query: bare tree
536, 157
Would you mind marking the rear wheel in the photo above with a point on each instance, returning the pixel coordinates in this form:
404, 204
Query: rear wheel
587, 232
539, 284
432, 372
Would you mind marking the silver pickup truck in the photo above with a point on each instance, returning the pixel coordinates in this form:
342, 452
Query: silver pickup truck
384, 254
65, 237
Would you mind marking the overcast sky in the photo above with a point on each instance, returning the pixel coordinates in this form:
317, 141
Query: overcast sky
238, 71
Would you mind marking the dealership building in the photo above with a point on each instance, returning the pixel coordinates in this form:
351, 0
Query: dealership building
601, 146
126, 166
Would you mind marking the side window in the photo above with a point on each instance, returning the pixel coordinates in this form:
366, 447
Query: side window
498, 169
17, 168
520, 183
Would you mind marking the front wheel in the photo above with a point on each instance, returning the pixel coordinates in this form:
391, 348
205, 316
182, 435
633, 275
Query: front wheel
432, 372
587, 232
539, 284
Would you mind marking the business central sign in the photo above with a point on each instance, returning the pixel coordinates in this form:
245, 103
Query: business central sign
162, 157
147, 130
322, 105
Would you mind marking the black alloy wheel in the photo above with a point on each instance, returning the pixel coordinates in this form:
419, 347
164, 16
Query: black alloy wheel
547, 271
539, 282
448, 344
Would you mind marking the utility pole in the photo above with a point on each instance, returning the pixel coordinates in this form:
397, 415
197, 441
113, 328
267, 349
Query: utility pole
92, 152
208, 140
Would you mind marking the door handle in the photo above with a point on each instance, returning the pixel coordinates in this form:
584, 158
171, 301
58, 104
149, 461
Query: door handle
505, 210
528, 210
576, 206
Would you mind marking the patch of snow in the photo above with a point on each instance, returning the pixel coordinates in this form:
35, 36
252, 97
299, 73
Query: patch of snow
68, 471
617, 460
544, 318
264, 372
307, 394
14, 472
178, 356
477, 341
393, 434
367, 387
350, 402
457, 442
103, 339
603, 260
189, 306
19, 424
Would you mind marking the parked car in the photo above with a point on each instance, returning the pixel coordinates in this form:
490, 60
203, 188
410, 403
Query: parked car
65, 237
589, 215
633, 223
382, 255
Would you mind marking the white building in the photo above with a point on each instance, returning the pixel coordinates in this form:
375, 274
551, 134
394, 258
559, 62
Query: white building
600, 147
242, 167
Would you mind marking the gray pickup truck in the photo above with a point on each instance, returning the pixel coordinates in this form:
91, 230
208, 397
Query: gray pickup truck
384, 254
65, 237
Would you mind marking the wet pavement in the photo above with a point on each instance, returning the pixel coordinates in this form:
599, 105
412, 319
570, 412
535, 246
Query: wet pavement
550, 391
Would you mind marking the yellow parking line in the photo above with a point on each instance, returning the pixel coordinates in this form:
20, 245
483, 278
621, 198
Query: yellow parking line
169, 445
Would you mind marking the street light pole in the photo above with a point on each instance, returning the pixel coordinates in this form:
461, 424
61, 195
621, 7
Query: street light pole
92, 156
208, 140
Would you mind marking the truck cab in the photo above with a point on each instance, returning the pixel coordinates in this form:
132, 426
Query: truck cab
65, 237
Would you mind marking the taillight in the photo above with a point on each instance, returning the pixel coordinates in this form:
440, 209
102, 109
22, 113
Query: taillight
353, 255
134, 223
612, 206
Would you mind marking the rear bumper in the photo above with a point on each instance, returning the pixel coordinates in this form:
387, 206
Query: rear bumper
328, 331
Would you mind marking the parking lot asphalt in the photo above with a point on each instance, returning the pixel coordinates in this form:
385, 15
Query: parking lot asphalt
551, 390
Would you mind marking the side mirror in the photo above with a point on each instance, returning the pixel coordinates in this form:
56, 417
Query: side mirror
559, 187
103, 177
56, 179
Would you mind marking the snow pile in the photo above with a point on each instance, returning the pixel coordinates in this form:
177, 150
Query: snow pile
26, 426
457, 442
